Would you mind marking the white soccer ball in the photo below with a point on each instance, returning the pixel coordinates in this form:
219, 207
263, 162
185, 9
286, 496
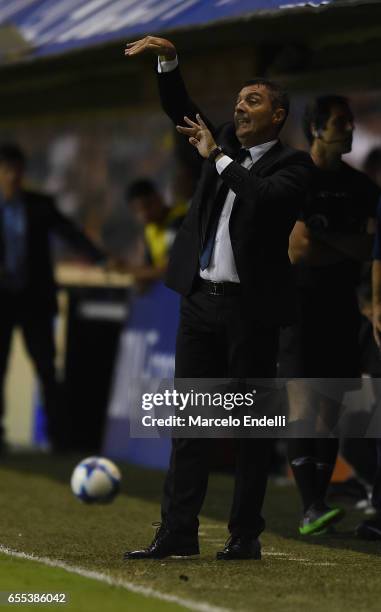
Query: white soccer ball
96, 480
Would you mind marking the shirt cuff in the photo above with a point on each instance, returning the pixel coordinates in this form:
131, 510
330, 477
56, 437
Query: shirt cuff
166, 65
223, 163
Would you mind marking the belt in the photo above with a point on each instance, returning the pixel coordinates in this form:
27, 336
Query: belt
223, 288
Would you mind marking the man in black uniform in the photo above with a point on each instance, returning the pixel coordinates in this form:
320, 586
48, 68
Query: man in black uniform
230, 263
27, 288
371, 529
327, 246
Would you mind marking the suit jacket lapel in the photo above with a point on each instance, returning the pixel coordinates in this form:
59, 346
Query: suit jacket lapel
210, 186
260, 168
228, 140
267, 159
212, 182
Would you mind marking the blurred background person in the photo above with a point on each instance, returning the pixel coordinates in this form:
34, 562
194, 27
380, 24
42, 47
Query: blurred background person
371, 528
160, 224
328, 245
361, 453
27, 287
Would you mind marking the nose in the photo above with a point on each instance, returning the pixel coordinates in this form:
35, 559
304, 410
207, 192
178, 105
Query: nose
240, 105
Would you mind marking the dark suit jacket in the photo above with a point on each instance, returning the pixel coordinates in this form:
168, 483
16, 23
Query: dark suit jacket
267, 204
42, 220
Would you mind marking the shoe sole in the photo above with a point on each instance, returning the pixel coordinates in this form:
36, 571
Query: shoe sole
187, 555
331, 517
368, 533
221, 557
159, 558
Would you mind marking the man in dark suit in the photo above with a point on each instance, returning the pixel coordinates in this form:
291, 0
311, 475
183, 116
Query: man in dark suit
230, 263
27, 288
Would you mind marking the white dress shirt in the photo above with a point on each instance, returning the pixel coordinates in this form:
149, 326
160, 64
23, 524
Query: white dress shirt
222, 265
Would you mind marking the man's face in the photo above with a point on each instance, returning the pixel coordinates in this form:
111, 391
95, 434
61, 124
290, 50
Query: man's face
255, 119
147, 209
338, 131
11, 176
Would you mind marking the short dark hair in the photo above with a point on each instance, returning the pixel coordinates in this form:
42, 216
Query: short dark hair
12, 154
317, 113
140, 188
279, 97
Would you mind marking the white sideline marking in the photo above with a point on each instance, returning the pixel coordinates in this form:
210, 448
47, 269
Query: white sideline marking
308, 562
198, 606
284, 556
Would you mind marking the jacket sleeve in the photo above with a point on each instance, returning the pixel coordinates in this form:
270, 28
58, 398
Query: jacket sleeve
175, 100
66, 229
289, 182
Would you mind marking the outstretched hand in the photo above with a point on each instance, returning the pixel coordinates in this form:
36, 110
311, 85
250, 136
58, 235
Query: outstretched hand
151, 44
199, 135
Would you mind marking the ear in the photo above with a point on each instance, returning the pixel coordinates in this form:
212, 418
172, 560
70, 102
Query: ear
279, 116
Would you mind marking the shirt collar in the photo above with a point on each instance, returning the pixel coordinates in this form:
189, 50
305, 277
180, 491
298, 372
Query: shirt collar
259, 150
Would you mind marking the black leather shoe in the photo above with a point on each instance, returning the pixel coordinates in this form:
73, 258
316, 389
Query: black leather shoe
370, 529
166, 544
240, 547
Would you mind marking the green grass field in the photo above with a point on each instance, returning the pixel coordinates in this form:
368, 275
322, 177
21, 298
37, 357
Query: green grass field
40, 517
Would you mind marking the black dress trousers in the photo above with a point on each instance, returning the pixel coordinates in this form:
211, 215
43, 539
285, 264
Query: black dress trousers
36, 324
218, 338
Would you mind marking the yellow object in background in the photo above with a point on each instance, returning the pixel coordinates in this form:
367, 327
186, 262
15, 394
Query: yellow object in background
159, 238
20, 387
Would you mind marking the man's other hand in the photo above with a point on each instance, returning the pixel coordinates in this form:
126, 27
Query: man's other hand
198, 135
161, 47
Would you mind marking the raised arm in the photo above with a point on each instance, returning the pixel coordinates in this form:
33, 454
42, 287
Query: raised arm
174, 97
289, 183
66, 229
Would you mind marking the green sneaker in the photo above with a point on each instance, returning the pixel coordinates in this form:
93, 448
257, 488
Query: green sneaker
328, 531
317, 519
